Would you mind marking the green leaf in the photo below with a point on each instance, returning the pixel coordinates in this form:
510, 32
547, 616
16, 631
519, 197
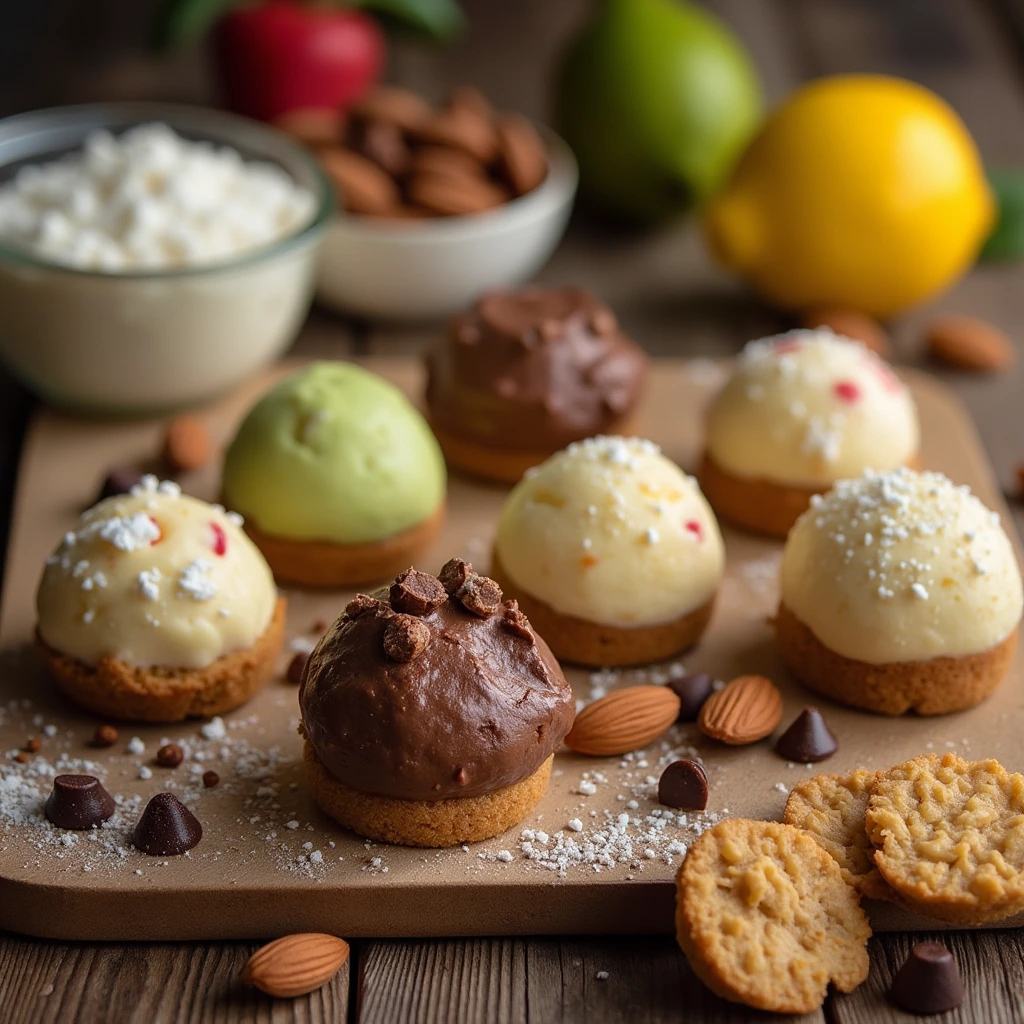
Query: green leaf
180, 21
439, 20
1006, 243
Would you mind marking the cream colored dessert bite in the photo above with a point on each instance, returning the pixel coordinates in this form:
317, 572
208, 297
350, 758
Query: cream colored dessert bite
899, 591
800, 411
612, 552
158, 607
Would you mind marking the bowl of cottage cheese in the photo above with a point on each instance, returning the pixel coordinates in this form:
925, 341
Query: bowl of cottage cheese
151, 256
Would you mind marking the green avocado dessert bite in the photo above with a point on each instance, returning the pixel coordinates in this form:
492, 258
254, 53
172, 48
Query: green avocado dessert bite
339, 478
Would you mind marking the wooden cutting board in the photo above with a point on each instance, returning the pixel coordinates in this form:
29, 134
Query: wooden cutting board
270, 863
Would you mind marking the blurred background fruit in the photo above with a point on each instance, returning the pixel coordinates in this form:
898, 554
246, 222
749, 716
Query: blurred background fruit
657, 98
1006, 243
861, 191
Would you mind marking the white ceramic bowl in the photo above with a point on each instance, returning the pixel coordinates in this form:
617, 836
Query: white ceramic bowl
411, 270
146, 342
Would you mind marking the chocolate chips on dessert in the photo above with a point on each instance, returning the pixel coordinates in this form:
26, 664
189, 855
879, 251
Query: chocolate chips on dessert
454, 574
929, 982
296, 667
692, 691
104, 736
416, 593
684, 785
167, 827
808, 739
361, 604
516, 622
405, 637
210, 779
170, 755
480, 595
79, 802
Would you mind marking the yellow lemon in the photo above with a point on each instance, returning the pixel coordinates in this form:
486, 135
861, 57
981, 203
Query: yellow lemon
860, 190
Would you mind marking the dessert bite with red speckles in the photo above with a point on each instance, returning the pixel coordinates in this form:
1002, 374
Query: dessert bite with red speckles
158, 607
801, 411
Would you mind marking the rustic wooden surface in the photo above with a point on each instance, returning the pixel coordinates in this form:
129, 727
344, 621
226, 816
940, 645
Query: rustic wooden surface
668, 296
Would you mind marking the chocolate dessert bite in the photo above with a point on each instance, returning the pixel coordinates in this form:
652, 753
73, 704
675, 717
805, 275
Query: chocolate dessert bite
431, 711
78, 802
525, 373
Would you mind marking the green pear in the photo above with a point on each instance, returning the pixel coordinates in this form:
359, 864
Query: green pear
657, 98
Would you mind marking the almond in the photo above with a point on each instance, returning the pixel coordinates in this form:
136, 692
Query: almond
969, 344
746, 710
625, 720
851, 323
187, 444
295, 964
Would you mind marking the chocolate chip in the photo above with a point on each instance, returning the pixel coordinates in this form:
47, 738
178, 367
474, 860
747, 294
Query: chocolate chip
119, 480
210, 779
22, 757
684, 784
405, 637
361, 604
78, 801
692, 691
929, 981
808, 739
516, 622
167, 827
33, 744
296, 667
480, 595
455, 573
170, 755
104, 736
416, 593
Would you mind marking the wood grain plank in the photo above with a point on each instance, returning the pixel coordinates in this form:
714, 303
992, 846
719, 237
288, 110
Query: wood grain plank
136, 983
639, 980
991, 966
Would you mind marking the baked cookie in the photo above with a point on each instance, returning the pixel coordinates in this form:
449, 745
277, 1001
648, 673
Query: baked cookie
949, 835
831, 808
765, 917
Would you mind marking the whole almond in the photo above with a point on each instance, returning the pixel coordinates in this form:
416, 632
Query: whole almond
187, 444
969, 343
744, 711
853, 324
624, 720
295, 964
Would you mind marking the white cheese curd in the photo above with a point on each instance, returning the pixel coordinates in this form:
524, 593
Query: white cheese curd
149, 200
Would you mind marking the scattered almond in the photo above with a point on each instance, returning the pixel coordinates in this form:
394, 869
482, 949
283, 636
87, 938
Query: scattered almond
624, 720
187, 444
296, 964
969, 344
744, 711
851, 323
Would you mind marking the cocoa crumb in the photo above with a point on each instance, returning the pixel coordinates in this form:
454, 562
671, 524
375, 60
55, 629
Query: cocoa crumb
210, 779
416, 593
480, 595
296, 667
104, 736
170, 755
33, 744
516, 622
361, 604
405, 637
454, 574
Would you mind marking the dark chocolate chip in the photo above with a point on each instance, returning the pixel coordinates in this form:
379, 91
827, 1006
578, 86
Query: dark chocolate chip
405, 637
929, 981
78, 801
167, 827
480, 595
416, 593
454, 574
119, 480
692, 691
210, 779
516, 622
808, 739
296, 667
361, 604
170, 755
684, 784
104, 736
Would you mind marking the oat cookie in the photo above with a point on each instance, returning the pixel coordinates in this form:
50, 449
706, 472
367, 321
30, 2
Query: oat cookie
831, 808
765, 918
949, 835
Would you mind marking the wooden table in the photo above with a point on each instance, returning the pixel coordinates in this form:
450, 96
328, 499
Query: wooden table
670, 298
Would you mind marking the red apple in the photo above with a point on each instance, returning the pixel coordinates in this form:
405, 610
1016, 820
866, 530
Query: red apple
278, 56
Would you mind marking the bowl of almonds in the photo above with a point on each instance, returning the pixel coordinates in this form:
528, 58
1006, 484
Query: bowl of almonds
438, 204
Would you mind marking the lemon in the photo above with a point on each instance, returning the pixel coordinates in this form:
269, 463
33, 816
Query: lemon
860, 190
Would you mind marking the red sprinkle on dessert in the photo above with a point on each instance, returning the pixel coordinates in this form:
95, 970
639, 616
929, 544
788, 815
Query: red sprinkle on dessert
695, 528
220, 539
847, 391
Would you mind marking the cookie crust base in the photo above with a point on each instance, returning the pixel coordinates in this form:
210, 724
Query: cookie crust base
114, 689
935, 686
500, 465
318, 563
424, 823
595, 644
